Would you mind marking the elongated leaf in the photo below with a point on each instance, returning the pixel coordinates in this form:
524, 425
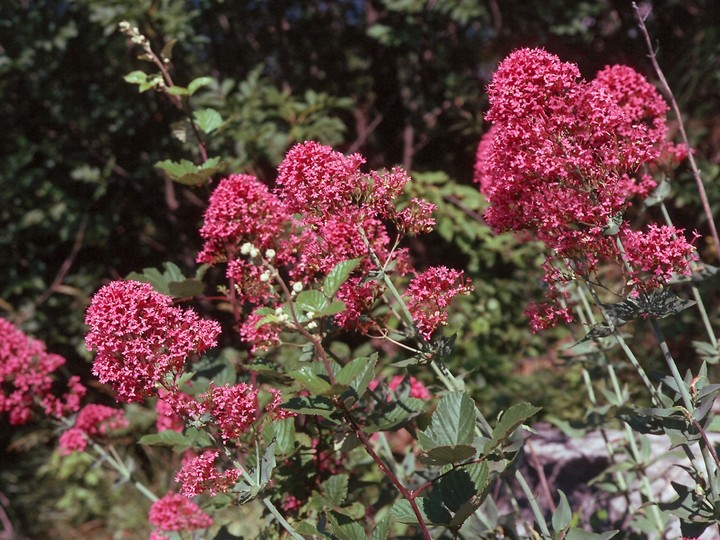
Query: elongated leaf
170, 281
337, 276
579, 534
562, 515
284, 435
167, 438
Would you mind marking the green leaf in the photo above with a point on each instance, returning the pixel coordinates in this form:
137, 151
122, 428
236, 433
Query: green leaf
311, 300
452, 423
510, 420
358, 373
337, 276
166, 52
579, 534
445, 455
314, 405
197, 84
336, 306
167, 438
463, 490
562, 515
188, 173
136, 77
381, 530
177, 91
335, 488
284, 435
171, 281
310, 380
208, 120
660, 193
346, 529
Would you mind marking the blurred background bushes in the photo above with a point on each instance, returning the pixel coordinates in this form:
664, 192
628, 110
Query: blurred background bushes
401, 81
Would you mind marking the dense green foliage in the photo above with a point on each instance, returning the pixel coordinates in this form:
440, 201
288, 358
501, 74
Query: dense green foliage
402, 81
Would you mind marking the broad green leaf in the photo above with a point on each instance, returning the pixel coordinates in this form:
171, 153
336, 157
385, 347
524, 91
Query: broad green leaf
178, 91
284, 435
463, 491
345, 529
562, 515
381, 530
311, 300
208, 120
309, 380
510, 420
197, 84
660, 193
188, 173
396, 413
338, 276
335, 488
314, 405
336, 306
358, 373
267, 465
452, 423
136, 77
445, 455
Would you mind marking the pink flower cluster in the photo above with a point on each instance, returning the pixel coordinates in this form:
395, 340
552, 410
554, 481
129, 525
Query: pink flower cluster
323, 210
564, 159
174, 512
26, 378
417, 389
233, 408
200, 475
429, 295
92, 421
142, 341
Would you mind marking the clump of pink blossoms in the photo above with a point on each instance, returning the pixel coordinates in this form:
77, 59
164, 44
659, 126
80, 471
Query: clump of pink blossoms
323, 210
429, 295
200, 475
26, 378
233, 408
564, 160
92, 421
142, 341
175, 513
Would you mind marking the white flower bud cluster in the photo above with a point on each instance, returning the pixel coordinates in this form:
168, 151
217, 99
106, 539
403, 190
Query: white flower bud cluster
248, 249
281, 315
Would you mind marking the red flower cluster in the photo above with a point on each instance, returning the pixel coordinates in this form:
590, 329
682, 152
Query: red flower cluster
324, 210
429, 295
233, 408
93, 420
26, 378
565, 157
142, 341
174, 512
200, 475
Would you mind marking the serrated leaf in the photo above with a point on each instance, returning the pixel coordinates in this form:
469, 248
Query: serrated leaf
463, 491
311, 300
402, 512
335, 488
562, 515
188, 173
197, 84
510, 420
396, 413
208, 120
170, 281
452, 423
337, 276
381, 530
358, 373
445, 455
284, 435
345, 529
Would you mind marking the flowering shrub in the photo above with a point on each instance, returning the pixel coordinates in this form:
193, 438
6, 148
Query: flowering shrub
297, 419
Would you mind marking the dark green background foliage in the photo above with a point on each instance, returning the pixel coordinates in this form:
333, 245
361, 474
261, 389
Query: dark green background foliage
401, 81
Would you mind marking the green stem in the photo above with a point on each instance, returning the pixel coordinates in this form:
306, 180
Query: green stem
533, 503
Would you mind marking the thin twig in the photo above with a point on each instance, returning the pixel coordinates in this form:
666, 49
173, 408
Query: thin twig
681, 126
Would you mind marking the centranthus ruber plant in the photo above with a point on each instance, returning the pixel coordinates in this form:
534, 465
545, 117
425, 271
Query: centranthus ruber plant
299, 422
568, 161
